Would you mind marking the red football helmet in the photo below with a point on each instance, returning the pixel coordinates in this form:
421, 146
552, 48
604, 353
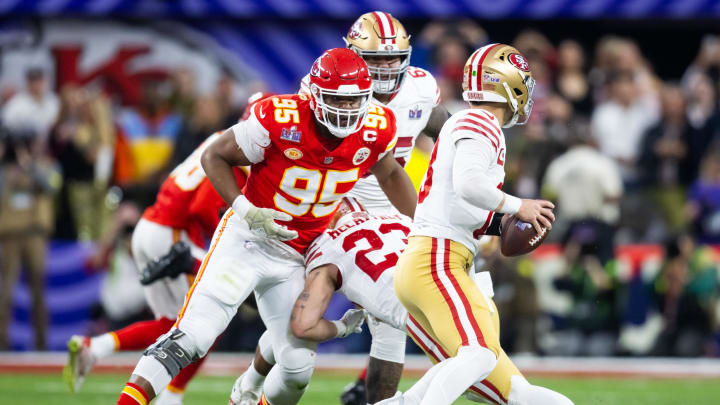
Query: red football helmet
340, 90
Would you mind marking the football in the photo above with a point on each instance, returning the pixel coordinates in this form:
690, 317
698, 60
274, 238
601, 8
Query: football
518, 237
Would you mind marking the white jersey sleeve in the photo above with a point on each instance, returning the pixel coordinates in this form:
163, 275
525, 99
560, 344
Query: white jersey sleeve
251, 137
365, 252
442, 212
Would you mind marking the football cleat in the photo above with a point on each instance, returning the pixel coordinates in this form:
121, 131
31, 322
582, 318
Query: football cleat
240, 397
177, 261
498, 73
397, 399
354, 393
80, 362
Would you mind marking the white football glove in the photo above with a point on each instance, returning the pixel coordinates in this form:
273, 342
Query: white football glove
351, 322
262, 220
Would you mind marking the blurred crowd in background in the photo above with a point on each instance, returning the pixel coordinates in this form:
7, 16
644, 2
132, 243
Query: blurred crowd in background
630, 158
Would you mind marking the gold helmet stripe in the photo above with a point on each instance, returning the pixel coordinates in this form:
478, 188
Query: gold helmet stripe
386, 26
475, 68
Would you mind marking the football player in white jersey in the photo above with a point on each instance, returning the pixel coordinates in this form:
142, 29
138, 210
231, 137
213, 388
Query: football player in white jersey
461, 192
413, 95
356, 257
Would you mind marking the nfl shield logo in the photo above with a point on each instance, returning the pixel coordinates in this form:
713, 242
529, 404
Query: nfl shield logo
328, 160
415, 113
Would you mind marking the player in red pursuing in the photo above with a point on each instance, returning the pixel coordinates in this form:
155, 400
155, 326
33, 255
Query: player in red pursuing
305, 153
187, 209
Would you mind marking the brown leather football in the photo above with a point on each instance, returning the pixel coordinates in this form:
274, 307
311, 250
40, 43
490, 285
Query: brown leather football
518, 237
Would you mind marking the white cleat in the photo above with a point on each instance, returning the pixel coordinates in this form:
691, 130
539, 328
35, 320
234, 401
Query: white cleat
396, 399
240, 397
80, 362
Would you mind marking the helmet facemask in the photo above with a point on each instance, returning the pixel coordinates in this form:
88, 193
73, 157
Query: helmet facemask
521, 114
386, 80
341, 121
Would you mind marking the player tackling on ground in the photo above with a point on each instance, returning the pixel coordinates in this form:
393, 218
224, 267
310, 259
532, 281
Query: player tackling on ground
461, 190
304, 154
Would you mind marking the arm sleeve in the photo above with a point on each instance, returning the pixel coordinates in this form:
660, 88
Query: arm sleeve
473, 158
252, 138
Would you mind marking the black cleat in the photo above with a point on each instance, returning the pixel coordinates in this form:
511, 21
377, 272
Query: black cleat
177, 261
354, 393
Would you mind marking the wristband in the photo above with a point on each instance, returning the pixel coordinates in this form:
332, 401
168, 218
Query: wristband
341, 328
511, 205
241, 206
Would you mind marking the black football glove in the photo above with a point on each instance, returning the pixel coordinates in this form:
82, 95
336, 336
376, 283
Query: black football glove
177, 261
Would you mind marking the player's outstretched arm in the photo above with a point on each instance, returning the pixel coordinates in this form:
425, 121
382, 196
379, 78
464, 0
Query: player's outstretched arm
307, 322
396, 184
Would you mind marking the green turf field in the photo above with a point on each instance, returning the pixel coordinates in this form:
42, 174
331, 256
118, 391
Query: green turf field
35, 389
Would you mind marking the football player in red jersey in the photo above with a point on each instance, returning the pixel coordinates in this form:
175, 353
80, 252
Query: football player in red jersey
304, 153
187, 209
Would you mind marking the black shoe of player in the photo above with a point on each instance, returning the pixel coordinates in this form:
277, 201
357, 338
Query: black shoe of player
354, 393
177, 261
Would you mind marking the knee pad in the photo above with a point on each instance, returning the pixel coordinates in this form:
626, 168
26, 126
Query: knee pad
174, 351
296, 365
388, 343
266, 347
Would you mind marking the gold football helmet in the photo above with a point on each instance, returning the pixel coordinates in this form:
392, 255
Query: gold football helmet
379, 34
498, 73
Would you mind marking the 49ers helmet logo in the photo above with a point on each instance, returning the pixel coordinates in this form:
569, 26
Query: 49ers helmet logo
355, 29
519, 62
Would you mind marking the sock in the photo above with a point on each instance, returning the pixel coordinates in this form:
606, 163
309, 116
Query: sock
181, 380
103, 345
153, 372
140, 335
252, 380
363, 374
415, 394
132, 394
263, 400
469, 365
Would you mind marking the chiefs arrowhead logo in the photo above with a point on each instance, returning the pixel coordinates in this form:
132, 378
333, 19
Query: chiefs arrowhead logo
361, 155
519, 62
